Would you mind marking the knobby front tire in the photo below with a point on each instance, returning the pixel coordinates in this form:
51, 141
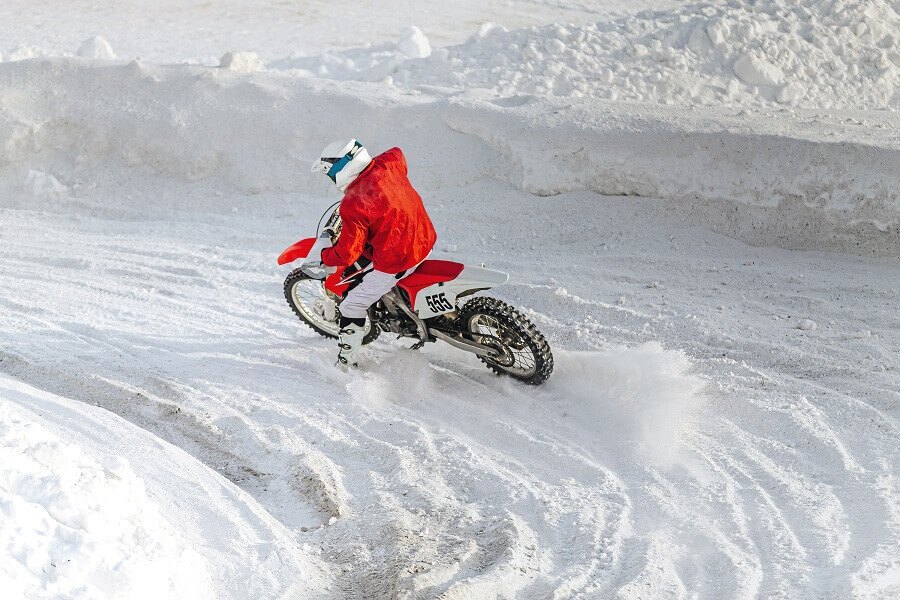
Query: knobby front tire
306, 296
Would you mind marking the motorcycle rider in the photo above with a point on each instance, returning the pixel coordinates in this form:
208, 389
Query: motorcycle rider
383, 220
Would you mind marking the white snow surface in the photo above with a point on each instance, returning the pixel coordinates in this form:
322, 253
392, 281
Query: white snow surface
74, 525
174, 31
694, 440
824, 54
808, 53
718, 281
425, 474
93, 507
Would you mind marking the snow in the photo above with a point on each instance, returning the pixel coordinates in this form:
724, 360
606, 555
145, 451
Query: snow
621, 460
242, 62
25, 52
93, 507
723, 171
807, 53
757, 71
175, 31
76, 525
807, 325
646, 395
817, 54
43, 185
96, 47
711, 251
413, 43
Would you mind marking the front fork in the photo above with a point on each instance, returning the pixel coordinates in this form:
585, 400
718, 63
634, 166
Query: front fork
329, 308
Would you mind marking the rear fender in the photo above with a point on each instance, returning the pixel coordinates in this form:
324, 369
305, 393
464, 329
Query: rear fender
473, 279
440, 298
299, 250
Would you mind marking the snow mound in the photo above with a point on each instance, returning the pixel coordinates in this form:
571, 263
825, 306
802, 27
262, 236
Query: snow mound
96, 47
77, 525
413, 43
242, 62
757, 71
808, 53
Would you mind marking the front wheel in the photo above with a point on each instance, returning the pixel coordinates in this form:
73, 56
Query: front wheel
522, 352
317, 307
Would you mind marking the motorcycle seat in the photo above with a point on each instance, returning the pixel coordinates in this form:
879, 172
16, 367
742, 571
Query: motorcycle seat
429, 273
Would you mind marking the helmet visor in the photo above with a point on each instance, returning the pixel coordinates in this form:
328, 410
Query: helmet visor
323, 165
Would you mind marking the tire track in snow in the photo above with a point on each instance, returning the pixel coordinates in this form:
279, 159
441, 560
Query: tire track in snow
135, 382
445, 480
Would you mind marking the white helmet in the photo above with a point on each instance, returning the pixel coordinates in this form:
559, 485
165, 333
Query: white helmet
342, 162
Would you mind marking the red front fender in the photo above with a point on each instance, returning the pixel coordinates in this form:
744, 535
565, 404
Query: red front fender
299, 250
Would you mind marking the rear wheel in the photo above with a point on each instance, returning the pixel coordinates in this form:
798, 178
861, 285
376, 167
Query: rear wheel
522, 352
317, 307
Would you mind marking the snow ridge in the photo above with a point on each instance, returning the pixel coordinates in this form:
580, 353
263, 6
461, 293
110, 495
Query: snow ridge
807, 53
761, 179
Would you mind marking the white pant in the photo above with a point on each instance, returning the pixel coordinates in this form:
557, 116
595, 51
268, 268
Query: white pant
373, 286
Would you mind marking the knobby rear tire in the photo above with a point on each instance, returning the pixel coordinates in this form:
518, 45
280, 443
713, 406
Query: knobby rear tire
519, 325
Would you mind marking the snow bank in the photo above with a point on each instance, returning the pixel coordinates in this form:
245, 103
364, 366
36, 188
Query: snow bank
94, 507
760, 180
823, 54
764, 179
808, 53
76, 525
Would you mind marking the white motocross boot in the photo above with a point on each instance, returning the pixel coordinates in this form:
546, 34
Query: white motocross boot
349, 343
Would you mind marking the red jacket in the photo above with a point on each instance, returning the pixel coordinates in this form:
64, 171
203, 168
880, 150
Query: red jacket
383, 219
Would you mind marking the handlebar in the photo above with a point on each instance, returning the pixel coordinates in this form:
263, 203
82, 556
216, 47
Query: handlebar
333, 224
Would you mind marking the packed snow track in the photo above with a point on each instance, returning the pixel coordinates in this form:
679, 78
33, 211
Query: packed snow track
634, 468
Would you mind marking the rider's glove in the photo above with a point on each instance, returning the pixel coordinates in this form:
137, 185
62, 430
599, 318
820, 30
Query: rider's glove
313, 266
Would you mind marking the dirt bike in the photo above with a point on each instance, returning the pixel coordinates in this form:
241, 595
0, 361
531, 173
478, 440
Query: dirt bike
425, 305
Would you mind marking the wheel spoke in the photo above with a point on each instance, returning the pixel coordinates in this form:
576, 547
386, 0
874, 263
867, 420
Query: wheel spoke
310, 298
523, 361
